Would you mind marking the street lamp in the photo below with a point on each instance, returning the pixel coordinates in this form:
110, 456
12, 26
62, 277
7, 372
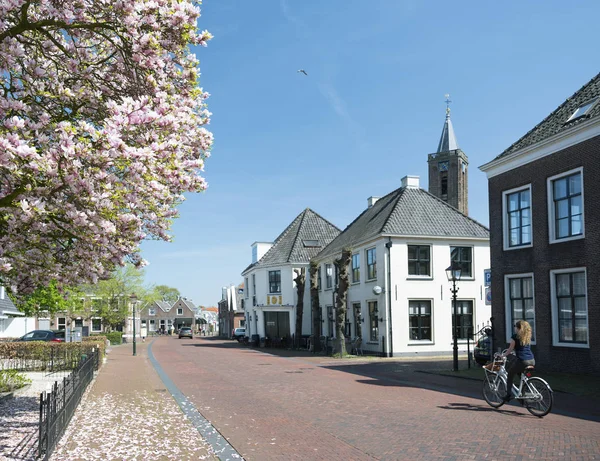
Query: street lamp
133, 299
453, 273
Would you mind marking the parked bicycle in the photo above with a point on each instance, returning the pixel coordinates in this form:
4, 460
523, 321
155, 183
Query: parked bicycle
534, 393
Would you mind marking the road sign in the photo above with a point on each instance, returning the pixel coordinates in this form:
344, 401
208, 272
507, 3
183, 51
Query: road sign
488, 296
487, 277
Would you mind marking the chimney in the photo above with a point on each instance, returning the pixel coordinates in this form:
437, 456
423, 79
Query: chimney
371, 201
411, 182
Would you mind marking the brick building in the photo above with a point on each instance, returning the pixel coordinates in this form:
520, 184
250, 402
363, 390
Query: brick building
545, 234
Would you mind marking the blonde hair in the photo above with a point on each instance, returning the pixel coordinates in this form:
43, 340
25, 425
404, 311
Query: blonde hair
524, 332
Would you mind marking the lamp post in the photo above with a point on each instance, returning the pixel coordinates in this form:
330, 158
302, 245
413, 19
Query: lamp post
453, 273
133, 299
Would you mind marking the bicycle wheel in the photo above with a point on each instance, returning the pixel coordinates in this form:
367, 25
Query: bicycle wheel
541, 404
494, 389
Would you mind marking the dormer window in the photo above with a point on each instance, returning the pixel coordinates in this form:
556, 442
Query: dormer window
311, 243
583, 109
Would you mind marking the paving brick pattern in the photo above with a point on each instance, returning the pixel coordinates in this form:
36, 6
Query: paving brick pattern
315, 408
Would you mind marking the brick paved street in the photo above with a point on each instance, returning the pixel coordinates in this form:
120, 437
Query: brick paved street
306, 407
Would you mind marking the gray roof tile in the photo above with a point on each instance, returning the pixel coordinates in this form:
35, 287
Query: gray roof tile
406, 212
556, 122
292, 247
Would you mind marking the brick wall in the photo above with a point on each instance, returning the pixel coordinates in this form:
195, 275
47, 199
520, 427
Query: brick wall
543, 257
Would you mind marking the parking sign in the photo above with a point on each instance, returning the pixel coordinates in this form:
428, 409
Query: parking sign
487, 277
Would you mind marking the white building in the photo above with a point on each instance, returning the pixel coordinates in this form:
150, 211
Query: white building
399, 299
270, 293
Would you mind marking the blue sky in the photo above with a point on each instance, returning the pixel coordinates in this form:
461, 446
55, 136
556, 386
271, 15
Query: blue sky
368, 113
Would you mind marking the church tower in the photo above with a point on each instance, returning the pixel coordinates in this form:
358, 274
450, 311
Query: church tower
449, 168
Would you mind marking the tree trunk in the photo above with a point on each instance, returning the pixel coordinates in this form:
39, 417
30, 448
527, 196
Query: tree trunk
316, 309
342, 296
300, 284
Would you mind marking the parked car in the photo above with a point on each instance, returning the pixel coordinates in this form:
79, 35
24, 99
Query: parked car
482, 350
57, 336
238, 333
186, 332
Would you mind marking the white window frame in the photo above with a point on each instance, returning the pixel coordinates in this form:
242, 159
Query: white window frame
246, 289
328, 276
463, 276
180, 311
374, 264
421, 341
152, 325
419, 276
554, 308
92, 325
61, 325
509, 321
355, 268
151, 311
551, 211
505, 220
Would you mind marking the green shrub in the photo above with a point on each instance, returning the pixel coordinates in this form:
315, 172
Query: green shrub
115, 337
101, 337
11, 380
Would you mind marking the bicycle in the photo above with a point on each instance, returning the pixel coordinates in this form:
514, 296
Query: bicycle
533, 392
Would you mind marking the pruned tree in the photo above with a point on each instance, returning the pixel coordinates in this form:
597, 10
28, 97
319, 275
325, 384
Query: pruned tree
300, 280
341, 299
314, 301
102, 130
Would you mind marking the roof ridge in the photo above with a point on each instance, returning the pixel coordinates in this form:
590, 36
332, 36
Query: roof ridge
400, 191
303, 214
453, 208
564, 103
280, 237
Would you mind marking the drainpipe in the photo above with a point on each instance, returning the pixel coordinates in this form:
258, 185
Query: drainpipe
388, 245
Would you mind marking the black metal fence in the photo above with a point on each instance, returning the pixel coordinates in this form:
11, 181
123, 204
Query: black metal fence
57, 407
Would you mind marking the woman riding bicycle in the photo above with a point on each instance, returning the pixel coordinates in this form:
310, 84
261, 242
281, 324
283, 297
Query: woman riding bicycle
521, 344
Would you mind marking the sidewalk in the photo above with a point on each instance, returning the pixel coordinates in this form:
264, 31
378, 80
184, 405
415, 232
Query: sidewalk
128, 414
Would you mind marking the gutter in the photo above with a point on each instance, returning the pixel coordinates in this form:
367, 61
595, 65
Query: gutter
388, 245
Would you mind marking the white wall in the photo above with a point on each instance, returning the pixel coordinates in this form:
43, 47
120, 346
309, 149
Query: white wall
404, 288
16, 327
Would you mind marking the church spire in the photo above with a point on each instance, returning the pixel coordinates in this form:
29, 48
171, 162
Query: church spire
448, 140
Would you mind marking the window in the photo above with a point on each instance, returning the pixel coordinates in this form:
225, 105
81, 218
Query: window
419, 260
330, 320
254, 289
274, 281
566, 206
311, 244
96, 325
180, 311
347, 325
419, 320
463, 257
151, 311
328, 276
152, 325
62, 323
246, 288
373, 321
371, 264
357, 319
520, 301
444, 184
464, 317
583, 109
569, 306
517, 216
355, 268
319, 278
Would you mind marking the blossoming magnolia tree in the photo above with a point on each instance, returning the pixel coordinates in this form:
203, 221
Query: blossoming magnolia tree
101, 132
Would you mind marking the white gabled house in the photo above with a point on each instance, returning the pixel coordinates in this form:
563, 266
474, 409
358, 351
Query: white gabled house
399, 301
270, 293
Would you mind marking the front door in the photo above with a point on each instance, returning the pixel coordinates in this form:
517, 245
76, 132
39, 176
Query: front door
277, 324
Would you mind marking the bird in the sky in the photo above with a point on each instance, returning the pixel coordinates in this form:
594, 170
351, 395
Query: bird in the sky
303, 71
